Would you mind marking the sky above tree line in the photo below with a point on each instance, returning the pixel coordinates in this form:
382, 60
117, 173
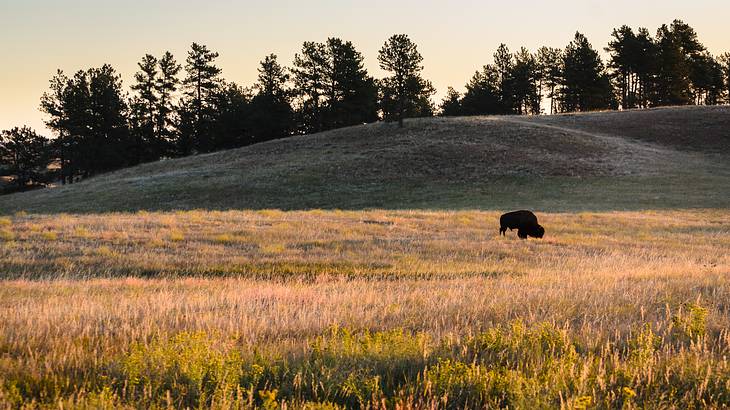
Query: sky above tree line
456, 38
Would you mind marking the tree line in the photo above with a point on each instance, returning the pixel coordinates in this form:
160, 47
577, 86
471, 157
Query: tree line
176, 109
672, 68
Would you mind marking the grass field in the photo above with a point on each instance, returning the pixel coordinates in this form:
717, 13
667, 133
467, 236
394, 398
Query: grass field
381, 281
377, 308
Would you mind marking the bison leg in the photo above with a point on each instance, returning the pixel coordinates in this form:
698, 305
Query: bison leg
502, 230
521, 234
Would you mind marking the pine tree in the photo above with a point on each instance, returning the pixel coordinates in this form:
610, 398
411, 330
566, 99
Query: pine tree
624, 50
550, 62
504, 65
645, 66
89, 113
525, 77
271, 112
166, 87
352, 93
586, 86
405, 92
202, 85
25, 155
678, 50
232, 126
310, 78
482, 95
53, 103
451, 104
109, 144
143, 107
707, 80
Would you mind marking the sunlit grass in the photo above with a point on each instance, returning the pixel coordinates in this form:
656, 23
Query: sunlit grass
416, 309
6, 235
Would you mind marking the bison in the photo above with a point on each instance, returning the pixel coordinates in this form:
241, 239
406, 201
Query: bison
524, 221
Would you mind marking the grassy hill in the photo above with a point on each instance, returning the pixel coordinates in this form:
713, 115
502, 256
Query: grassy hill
660, 158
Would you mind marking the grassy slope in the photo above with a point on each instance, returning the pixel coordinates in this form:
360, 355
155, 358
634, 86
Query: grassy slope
663, 158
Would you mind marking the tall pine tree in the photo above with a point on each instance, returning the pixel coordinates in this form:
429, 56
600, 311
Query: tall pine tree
525, 76
271, 112
405, 93
586, 87
550, 63
198, 112
166, 87
352, 93
310, 78
677, 51
143, 111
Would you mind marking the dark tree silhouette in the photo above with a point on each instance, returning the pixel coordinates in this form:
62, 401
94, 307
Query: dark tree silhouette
451, 104
483, 93
352, 93
550, 64
89, 113
198, 111
525, 79
677, 51
586, 86
143, 111
504, 66
271, 113
54, 103
232, 128
25, 156
624, 50
645, 65
166, 88
405, 92
707, 80
310, 85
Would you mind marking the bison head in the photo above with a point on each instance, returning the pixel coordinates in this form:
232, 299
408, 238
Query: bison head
537, 231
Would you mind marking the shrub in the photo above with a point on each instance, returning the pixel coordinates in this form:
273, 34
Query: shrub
6, 235
188, 366
460, 385
177, 236
691, 322
81, 232
49, 236
354, 369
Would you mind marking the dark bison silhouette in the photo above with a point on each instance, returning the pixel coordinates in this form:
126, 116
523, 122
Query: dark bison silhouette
524, 221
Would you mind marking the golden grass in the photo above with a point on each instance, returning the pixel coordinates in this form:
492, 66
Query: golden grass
600, 279
6, 235
407, 244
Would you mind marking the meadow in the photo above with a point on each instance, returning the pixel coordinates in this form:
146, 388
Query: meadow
364, 309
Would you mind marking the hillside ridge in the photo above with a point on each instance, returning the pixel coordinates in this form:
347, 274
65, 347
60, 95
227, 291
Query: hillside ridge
441, 162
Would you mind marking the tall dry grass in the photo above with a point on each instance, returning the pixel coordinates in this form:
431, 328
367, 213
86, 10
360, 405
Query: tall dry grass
609, 310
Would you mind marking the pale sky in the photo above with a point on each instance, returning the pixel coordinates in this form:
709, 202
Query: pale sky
456, 37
